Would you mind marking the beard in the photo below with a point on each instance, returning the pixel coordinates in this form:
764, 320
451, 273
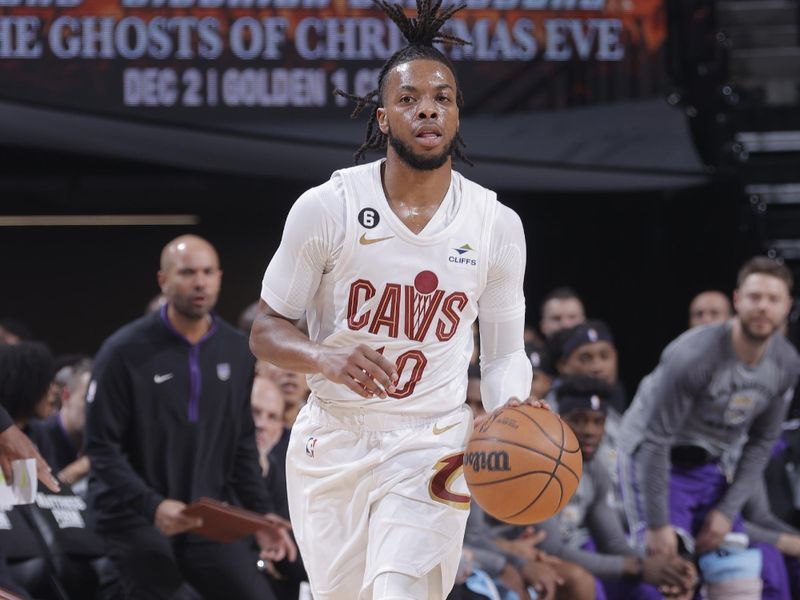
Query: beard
194, 313
754, 336
415, 161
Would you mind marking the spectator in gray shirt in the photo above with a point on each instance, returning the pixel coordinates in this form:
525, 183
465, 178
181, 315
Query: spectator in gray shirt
713, 385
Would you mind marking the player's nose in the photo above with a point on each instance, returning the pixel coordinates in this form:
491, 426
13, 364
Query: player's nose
427, 109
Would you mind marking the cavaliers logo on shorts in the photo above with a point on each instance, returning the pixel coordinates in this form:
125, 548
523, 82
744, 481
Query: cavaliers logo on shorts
447, 470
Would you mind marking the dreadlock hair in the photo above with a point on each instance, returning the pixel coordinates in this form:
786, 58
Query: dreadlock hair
420, 33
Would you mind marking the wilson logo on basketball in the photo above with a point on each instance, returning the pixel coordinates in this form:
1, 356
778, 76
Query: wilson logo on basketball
410, 309
496, 460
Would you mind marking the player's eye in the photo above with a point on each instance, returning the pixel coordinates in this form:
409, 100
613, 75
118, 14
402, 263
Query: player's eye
406, 99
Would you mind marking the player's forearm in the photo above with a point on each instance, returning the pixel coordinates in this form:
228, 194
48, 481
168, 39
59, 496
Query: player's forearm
506, 371
278, 341
504, 378
652, 462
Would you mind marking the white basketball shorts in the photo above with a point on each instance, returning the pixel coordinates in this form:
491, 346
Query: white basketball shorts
371, 493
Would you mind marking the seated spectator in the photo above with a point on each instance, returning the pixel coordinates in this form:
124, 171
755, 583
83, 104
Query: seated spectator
272, 440
272, 437
52, 532
587, 531
64, 430
561, 308
709, 307
588, 349
293, 386
26, 375
516, 565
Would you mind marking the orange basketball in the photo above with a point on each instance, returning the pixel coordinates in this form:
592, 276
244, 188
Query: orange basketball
523, 464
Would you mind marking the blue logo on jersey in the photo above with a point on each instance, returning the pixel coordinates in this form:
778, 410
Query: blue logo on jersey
461, 259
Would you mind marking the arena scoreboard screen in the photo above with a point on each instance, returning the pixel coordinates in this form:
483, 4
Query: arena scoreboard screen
238, 61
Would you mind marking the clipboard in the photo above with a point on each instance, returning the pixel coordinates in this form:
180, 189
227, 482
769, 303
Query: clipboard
223, 522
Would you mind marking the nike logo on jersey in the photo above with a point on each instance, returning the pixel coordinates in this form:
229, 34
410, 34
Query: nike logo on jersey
437, 431
365, 241
162, 378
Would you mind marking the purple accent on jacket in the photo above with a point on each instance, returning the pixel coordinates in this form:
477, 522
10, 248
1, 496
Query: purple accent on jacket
195, 378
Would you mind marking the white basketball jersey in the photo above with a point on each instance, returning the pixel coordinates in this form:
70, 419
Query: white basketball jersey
413, 298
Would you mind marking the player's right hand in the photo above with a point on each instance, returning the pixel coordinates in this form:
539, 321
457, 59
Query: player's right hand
364, 370
663, 540
170, 519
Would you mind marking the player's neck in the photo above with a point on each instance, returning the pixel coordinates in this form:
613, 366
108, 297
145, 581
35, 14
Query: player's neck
414, 195
748, 350
192, 329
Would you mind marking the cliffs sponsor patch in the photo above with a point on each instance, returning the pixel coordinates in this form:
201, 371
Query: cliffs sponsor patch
464, 255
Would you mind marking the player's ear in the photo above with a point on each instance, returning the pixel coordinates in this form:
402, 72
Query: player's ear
162, 280
383, 122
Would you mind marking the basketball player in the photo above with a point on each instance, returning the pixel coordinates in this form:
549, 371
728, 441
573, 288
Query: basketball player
714, 384
393, 261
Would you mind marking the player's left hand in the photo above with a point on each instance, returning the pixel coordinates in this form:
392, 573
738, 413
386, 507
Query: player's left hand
534, 402
275, 541
715, 527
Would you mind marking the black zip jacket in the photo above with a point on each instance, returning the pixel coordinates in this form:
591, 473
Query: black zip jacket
168, 419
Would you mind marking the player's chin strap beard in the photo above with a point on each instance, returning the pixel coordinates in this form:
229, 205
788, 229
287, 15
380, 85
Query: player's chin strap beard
421, 163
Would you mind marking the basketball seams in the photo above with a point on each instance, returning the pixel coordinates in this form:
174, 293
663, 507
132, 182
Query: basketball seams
483, 438
541, 493
552, 473
547, 435
556, 460
511, 478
